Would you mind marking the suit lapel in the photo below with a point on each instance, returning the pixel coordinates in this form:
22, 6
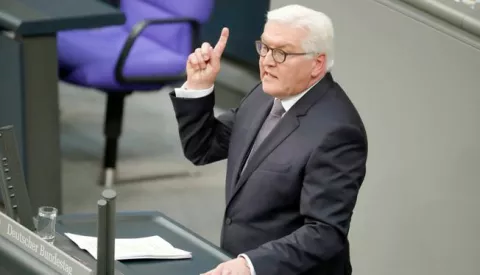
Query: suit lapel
257, 121
284, 128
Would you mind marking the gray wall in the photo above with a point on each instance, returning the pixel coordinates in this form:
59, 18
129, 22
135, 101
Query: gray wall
417, 90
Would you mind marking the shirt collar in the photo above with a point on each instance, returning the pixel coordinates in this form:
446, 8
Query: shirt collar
288, 102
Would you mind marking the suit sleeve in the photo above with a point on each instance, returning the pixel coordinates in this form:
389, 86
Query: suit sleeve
205, 138
333, 176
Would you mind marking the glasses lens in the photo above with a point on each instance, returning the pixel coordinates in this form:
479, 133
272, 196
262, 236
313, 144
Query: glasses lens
279, 56
259, 46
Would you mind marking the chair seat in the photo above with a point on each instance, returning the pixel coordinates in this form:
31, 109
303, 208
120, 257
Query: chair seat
89, 58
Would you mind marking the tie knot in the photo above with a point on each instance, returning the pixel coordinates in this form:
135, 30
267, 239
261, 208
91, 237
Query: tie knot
277, 108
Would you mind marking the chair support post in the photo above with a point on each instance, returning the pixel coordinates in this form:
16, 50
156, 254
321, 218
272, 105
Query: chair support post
112, 130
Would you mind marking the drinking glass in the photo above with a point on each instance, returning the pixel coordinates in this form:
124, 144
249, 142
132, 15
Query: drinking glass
46, 219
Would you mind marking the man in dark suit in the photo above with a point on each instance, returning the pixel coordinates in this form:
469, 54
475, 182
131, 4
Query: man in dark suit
296, 150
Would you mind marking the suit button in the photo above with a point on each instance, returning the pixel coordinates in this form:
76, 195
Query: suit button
228, 221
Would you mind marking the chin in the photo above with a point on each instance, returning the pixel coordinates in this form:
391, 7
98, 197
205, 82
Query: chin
271, 89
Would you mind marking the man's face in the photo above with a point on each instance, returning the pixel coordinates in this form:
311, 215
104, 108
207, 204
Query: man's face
297, 72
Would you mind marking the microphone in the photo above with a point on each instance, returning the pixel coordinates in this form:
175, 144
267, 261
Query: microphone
106, 233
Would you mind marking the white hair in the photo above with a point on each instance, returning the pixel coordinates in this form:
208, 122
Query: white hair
319, 26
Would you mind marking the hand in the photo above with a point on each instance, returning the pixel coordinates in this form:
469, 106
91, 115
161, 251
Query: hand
203, 64
236, 266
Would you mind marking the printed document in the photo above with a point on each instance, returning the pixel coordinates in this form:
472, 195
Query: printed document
153, 247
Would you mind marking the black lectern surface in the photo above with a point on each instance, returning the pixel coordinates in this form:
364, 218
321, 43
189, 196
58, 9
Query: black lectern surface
31, 17
205, 255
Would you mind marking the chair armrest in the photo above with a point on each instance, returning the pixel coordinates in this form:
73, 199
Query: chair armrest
135, 33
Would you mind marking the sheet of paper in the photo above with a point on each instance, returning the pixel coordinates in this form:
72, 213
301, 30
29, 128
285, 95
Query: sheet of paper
152, 247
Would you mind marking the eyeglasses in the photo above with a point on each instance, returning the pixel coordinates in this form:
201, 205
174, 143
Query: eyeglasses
278, 55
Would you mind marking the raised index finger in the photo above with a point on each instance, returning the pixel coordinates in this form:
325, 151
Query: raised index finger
222, 42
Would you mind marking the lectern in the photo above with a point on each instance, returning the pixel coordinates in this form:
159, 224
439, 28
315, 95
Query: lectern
29, 81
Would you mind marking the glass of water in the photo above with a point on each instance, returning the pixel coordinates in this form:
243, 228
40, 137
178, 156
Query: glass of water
46, 219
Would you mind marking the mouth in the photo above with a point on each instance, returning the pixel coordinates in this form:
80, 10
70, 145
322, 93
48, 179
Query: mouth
267, 74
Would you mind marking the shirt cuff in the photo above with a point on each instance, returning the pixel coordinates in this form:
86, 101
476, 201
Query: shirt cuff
185, 93
249, 263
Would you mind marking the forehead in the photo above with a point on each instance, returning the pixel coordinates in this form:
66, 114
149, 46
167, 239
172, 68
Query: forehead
282, 35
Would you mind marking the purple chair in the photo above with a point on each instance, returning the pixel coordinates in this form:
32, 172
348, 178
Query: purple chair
149, 51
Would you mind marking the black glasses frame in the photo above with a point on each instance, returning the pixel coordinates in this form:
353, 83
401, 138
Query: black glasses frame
276, 53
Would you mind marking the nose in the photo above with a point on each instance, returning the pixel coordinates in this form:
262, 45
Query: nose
268, 59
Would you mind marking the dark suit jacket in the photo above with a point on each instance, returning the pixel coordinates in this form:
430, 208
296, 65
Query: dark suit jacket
290, 209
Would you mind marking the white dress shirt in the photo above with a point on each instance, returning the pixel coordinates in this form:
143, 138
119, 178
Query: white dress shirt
287, 104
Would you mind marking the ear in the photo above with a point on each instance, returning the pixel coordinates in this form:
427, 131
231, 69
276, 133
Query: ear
319, 65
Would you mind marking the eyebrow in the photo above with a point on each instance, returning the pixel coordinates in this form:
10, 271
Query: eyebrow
286, 45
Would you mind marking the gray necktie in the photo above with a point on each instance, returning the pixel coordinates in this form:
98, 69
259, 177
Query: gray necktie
272, 119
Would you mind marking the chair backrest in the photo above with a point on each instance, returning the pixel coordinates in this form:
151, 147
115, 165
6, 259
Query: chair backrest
12, 182
173, 36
